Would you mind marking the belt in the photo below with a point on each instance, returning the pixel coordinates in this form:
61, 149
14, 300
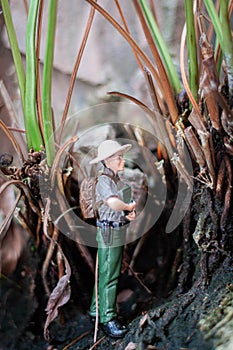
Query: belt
114, 224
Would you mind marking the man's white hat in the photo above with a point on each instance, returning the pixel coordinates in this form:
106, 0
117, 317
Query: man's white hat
108, 148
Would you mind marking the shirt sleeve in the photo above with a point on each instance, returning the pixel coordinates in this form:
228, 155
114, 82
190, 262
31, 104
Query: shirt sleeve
106, 188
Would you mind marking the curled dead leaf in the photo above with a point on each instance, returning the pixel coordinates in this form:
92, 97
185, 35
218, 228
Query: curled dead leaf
59, 296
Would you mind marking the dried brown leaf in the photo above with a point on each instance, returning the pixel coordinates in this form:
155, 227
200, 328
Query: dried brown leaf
59, 296
61, 293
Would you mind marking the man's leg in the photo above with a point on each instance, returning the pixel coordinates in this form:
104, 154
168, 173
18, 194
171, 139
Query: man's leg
110, 259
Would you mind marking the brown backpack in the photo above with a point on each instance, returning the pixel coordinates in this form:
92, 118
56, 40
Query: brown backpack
87, 197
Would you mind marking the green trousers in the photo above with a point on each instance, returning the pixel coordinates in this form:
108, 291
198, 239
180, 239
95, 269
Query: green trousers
109, 267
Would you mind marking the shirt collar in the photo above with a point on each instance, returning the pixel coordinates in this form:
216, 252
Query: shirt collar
110, 172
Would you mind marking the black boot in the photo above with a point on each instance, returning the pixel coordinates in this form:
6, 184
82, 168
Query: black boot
114, 329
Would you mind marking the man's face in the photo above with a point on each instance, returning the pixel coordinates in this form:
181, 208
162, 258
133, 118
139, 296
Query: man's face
116, 162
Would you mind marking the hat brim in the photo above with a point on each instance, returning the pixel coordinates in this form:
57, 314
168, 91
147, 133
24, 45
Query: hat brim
124, 149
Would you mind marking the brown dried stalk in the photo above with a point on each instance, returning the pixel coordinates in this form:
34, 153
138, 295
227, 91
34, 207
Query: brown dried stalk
196, 121
180, 146
227, 122
158, 119
175, 158
79, 338
137, 57
220, 180
75, 70
38, 230
127, 30
134, 100
158, 107
135, 274
61, 293
209, 81
195, 146
48, 258
12, 139
60, 264
141, 141
227, 201
163, 136
228, 146
24, 223
56, 161
166, 85
205, 142
171, 132
182, 170
97, 343
145, 58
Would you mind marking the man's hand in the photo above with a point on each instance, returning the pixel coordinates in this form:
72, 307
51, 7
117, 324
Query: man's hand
131, 216
131, 206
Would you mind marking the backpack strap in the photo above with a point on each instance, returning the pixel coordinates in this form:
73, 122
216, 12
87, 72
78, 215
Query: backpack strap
110, 176
95, 204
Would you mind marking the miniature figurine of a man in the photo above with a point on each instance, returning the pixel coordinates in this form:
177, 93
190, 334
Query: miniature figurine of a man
114, 215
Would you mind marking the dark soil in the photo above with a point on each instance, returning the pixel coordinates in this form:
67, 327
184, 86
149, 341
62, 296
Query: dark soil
155, 322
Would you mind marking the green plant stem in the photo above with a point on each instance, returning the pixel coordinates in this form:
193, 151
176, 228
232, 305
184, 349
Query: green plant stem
215, 19
192, 48
33, 134
14, 47
218, 56
227, 47
47, 114
173, 76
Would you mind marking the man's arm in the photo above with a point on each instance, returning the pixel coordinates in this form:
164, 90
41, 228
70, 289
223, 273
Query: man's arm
117, 204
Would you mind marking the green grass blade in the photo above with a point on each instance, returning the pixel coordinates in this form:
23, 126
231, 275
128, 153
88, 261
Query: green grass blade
14, 48
192, 48
227, 47
47, 83
215, 19
171, 71
33, 134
